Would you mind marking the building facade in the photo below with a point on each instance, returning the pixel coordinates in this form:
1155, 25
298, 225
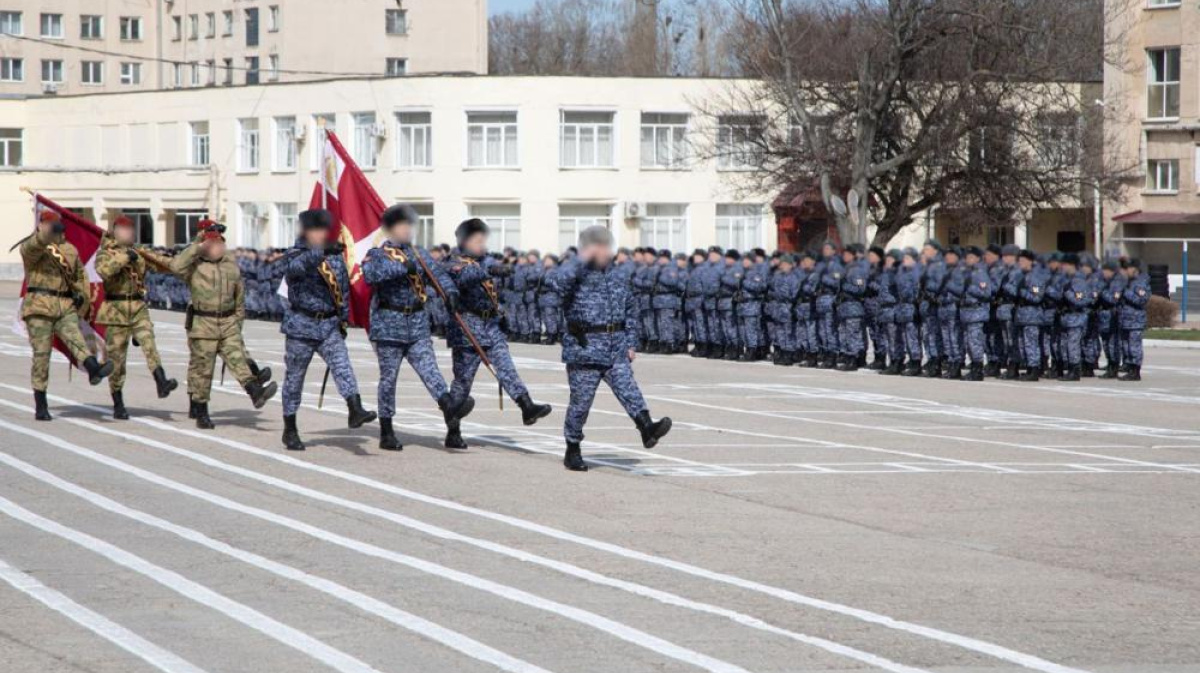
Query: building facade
91, 46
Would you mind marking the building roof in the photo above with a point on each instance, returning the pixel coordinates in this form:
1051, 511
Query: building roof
1151, 217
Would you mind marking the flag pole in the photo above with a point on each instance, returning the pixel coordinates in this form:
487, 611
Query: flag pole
324, 206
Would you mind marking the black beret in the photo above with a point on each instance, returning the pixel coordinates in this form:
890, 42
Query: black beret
994, 249
733, 254
469, 228
681, 256
650, 251
318, 218
856, 248
397, 214
1070, 258
1111, 265
1029, 255
1132, 263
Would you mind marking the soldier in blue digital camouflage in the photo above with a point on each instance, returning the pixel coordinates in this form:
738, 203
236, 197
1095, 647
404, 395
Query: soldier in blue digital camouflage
730, 283
749, 306
950, 296
1131, 317
600, 344
316, 321
643, 288
669, 288
473, 272
883, 287
806, 313
933, 276
1078, 296
1112, 288
781, 313
908, 299
829, 283
975, 309
849, 310
399, 322
549, 304
1030, 292
1089, 266
693, 305
712, 296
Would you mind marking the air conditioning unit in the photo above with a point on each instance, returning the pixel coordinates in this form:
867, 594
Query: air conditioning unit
635, 210
50, 88
379, 130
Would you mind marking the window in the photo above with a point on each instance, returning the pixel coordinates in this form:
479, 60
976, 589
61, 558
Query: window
93, 72
52, 26
198, 145
738, 138
586, 139
193, 26
364, 139
663, 140
195, 71
739, 226
10, 23
253, 226
1162, 176
574, 218
210, 25
12, 69
177, 74
248, 145
131, 28
186, 224
52, 71
10, 147
414, 140
91, 27
424, 232
273, 19
252, 27
990, 147
1164, 83
210, 71
252, 70
286, 230
1058, 140
504, 220
273, 67
131, 73
285, 144
1196, 166
397, 67
1165, 3
665, 226
397, 22
143, 225
228, 65
492, 139
317, 143
227, 23
177, 28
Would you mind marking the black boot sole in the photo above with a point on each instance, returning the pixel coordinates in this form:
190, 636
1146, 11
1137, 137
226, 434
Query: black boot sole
539, 415
650, 441
356, 423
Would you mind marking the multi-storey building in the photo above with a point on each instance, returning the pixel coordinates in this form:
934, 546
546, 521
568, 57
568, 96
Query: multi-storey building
89, 46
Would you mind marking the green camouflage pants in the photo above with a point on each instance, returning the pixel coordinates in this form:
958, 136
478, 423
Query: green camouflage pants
204, 358
41, 337
117, 338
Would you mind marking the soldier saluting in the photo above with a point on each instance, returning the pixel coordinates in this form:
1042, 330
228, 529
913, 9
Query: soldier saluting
57, 297
315, 321
124, 313
214, 320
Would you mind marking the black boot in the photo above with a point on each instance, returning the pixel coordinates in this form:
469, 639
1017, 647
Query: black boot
387, 436
119, 411
573, 461
1072, 373
913, 368
975, 373
1031, 374
454, 413
454, 438
202, 420
261, 374
1010, 373
748, 355
291, 436
532, 412
1110, 371
879, 364
1134, 373
714, 352
164, 384
700, 351
651, 430
952, 371
358, 416
827, 361
894, 368
97, 372
732, 353
992, 370
259, 394
1088, 370
192, 409
41, 408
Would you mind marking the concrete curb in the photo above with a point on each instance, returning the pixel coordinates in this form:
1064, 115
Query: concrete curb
1167, 343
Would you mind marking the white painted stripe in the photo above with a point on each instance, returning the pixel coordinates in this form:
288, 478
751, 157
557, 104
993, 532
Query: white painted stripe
401, 618
965, 642
118, 635
298, 640
585, 617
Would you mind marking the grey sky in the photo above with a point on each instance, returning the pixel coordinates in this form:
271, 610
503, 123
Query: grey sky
499, 6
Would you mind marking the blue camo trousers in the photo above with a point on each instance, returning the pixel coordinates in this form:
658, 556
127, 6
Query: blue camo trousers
649, 326
466, 365
850, 337
1031, 345
698, 326
716, 331
910, 334
1091, 342
669, 328
952, 345
1131, 347
975, 342
931, 336
583, 381
421, 358
1111, 340
1070, 347
729, 327
298, 355
750, 331
827, 332
878, 335
552, 320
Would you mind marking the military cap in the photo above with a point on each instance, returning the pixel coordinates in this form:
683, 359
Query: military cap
1010, 249
1132, 263
759, 252
681, 256
1055, 256
933, 243
698, 251
954, 250
717, 249
1070, 258
122, 221
48, 216
733, 254
1029, 255
973, 250
316, 219
398, 214
1111, 265
995, 249
664, 254
878, 251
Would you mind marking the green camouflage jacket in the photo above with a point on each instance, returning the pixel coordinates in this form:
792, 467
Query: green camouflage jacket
124, 282
216, 289
55, 280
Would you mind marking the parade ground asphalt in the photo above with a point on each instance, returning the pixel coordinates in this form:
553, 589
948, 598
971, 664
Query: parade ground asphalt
795, 520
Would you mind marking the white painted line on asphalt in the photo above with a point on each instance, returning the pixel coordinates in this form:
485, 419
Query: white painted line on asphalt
965, 642
401, 618
118, 635
293, 638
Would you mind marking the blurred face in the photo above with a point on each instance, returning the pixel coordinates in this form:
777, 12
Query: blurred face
714, 257
401, 233
1053, 265
828, 250
1025, 263
214, 249
747, 262
909, 262
1132, 272
847, 256
972, 260
316, 238
663, 261
785, 267
1108, 274
951, 258
1009, 259
124, 235
598, 254
697, 259
889, 262
1068, 269
929, 252
681, 263
533, 259
991, 258
476, 245
729, 261
874, 258
548, 264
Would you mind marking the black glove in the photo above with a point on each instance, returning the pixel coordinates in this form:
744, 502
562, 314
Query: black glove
335, 248
410, 266
133, 256
343, 329
58, 228
77, 301
452, 303
500, 270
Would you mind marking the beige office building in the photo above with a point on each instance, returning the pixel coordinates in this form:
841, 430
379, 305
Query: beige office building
93, 46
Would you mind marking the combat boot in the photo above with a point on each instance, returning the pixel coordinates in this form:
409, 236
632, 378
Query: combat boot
202, 420
843, 363
1088, 370
532, 412
879, 364
653, 347
933, 368
97, 372
453, 414
788, 358
1071, 373
387, 436
975, 373
992, 370
358, 416
732, 353
454, 438
1110, 371
827, 361
291, 436
748, 355
1133, 374
651, 430
812, 360
119, 411
192, 409
894, 368
777, 357
41, 410
1031, 374
913, 368
952, 371
573, 460
261, 374
164, 384
1010, 373
259, 394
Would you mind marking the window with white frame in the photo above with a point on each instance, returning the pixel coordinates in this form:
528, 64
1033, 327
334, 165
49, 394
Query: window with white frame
131, 73
1058, 140
197, 74
492, 140
210, 25
248, 143
286, 229
251, 70
273, 67
253, 226
665, 226
12, 69
187, 224
586, 139
739, 225
52, 71
11, 147
11, 24
52, 26
1163, 78
504, 221
1162, 176
93, 72
396, 67
739, 140
131, 28
177, 74
193, 26
285, 144
210, 72
397, 22
424, 225
198, 144
1159, 4
176, 28
574, 218
316, 144
664, 138
365, 145
273, 19
414, 140
91, 27
226, 23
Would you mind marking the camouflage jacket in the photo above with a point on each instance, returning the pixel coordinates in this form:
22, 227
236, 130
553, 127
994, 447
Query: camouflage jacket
55, 279
218, 304
124, 282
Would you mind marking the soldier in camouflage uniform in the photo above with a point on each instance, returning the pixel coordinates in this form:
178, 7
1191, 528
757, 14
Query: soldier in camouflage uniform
214, 320
124, 313
57, 298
